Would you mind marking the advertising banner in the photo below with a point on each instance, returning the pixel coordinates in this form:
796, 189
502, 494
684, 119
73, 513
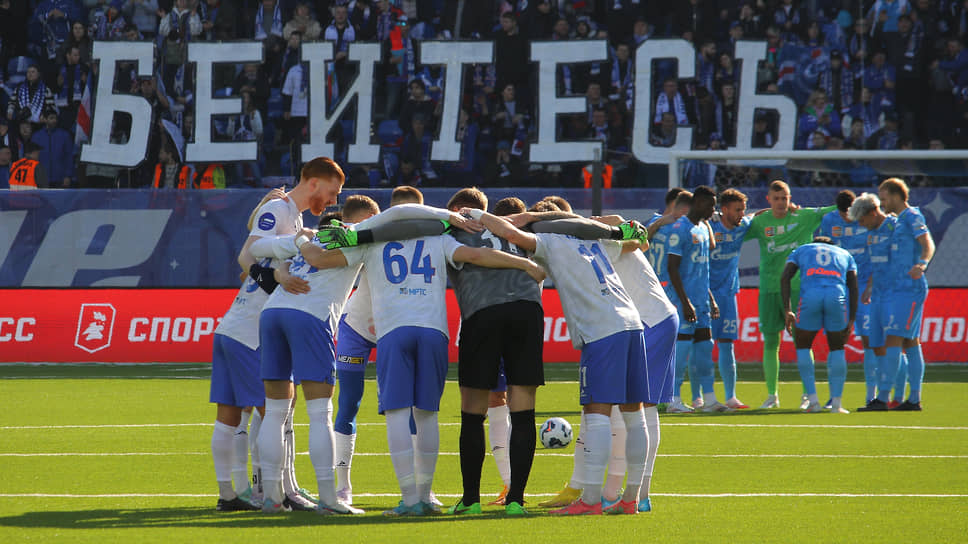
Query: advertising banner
176, 325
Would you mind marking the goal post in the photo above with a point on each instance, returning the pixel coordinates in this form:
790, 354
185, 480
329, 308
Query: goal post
887, 163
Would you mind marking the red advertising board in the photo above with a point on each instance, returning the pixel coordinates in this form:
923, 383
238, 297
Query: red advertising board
176, 325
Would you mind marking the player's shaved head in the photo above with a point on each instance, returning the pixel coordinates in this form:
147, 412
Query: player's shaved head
844, 199
544, 206
321, 168
406, 194
469, 197
558, 201
777, 186
359, 207
895, 186
509, 205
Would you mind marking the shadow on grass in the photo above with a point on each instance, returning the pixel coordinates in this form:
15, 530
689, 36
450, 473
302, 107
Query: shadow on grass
208, 518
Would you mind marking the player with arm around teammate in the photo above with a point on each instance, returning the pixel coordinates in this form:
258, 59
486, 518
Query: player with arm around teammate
828, 300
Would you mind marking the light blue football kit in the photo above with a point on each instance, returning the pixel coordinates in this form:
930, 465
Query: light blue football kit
724, 284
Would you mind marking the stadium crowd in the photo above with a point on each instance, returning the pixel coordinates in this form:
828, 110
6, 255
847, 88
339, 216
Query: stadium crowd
884, 74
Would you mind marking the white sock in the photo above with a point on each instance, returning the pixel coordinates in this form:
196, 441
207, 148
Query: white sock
254, 451
223, 455
289, 483
578, 472
272, 447
616, 462
708, 399
498, 432
636, 451
652, 428
598, 447
812, 397
345, 445
321, 447
425, 458
835, 403
240, 465
401, 453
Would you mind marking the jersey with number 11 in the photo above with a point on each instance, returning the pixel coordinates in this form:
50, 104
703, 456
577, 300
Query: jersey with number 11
408, 282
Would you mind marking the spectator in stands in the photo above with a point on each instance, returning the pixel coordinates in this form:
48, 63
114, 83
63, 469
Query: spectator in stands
81, 41
762, 136
736, 33
177, 28
416, 146
143, 14
71, 81
726, 72
886, 137
31, 98
867, 110
25, 131
856, 139
7, 139
695, 18
593, 98
303, 22
859, 45
510, 128
27, 172
512, 66
247, 127
51, 25
543, 20
837, 81
956, 65
622, 74
906, 55
106, 20
151, 91
817, 141
887, 13
6, 159
706, 106
363, 18
787, 19
879, 77
289, 58
253, 81
706, 62
600, 129
750, 21
342, 32
219, 19
56, 150
818, 115
670, 101
417, 102
400, 56
641, 31
295, 97
268, 21
727, 109
665, 135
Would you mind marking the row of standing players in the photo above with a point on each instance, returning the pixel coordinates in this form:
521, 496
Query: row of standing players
611, 325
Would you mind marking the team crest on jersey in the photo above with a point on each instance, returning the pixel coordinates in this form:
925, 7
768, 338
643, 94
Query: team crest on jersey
696, 239
719, 237
848, 231
95, 324
769, 231
838, 231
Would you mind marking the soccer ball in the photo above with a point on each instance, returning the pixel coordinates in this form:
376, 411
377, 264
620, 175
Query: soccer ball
555, 433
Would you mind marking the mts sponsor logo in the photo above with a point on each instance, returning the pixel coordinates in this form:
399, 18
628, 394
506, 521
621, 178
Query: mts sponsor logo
171, 329
15, 329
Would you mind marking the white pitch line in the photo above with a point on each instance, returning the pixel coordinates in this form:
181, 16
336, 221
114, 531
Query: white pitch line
538, 454
455, 495
448, 424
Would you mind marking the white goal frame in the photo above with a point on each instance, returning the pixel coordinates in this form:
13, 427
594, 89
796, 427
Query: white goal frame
676, 157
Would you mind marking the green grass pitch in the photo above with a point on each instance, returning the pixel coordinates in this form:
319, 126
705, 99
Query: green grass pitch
121, 453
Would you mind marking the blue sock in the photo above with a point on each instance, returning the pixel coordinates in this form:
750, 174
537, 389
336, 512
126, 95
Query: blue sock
805, 364
870, 373
702, 354
350, 394
915, 359
888, 372
836, 372
694, 373
727, 368
683, 349
881, 369
901, 379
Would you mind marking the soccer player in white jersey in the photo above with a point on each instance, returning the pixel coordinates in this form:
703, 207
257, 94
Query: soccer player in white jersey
605, 325
297, 341
235, 385
320, 182
408, 285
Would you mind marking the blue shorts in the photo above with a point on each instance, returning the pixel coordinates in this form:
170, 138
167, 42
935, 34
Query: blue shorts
862, 322
904, 310
235, 374
411, 366
352, 350
822, 309
613, 370
726, 327
703, 319
877, 333
660, 358
296, 346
